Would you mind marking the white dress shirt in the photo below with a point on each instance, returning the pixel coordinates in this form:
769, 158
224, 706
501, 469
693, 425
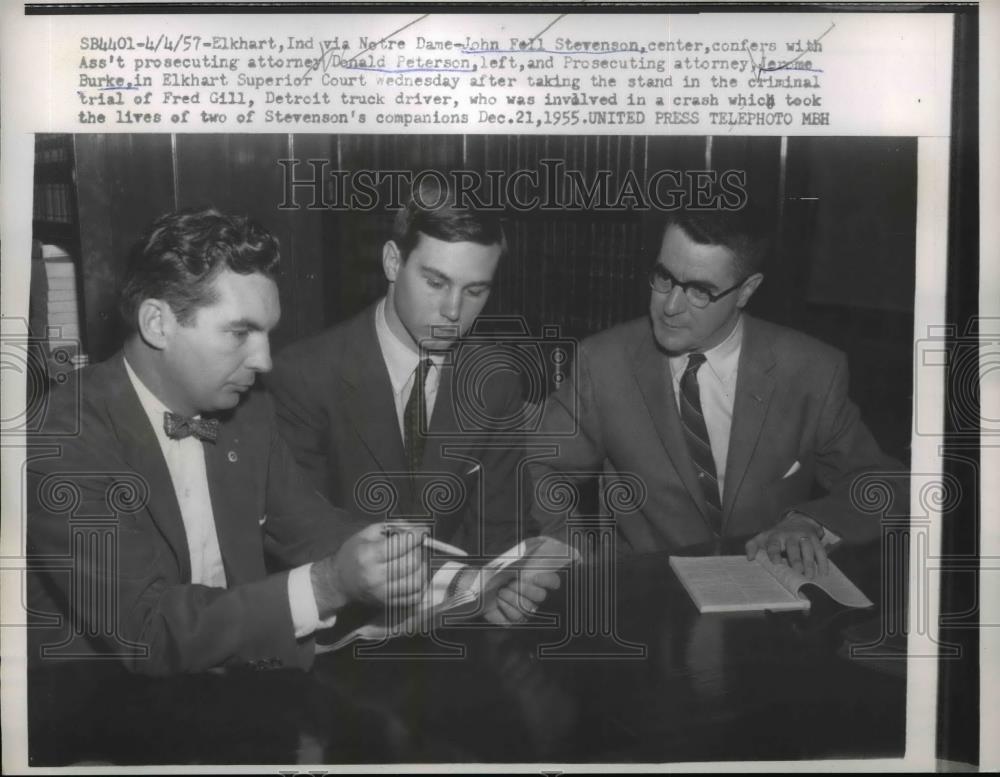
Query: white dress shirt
402, 361
186, 465
717, 391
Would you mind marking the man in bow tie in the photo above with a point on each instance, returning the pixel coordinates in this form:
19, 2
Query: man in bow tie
392, 396
184, 499
729, 422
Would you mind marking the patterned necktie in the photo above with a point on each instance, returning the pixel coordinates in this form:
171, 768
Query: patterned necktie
698, 444
416, 407
178, 427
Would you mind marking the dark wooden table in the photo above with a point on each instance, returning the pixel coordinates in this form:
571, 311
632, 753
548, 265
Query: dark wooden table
640, 677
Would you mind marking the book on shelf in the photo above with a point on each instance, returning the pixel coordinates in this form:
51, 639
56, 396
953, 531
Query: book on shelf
460, 586
734, 584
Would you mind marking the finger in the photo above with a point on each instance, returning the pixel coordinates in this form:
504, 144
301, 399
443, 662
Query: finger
508, 594
495, 616
534, 594
548, 580
374, 531
808, 557
405, 600
753, 546
404, 564
794, 553
822, 560
509, 612
774, 549
516, 607
406, 585
401, 541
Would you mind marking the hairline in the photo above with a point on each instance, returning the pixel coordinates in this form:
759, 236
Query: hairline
739, 272
404, 256
213, 297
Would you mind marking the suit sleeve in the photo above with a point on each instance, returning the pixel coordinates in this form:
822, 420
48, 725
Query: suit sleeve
122, 584
506, 519
302, 525
572, 435
846, 450
302, 422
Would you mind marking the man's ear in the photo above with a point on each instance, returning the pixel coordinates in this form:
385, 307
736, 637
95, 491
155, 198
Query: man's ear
748, 288
156, 323
392, 260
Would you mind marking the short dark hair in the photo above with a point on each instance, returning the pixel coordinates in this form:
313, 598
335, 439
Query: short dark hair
181, 255
739, 231
432, 209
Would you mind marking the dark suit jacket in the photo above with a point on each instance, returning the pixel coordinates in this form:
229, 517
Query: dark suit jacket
791, 406
335, 409
99, 460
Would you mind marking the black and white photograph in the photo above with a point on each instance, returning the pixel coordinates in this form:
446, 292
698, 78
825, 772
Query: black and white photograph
497, 450
559, 313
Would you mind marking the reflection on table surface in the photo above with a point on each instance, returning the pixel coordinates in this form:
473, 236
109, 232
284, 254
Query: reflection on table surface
618, 667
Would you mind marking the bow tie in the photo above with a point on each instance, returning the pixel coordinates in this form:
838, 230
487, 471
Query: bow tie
178, 427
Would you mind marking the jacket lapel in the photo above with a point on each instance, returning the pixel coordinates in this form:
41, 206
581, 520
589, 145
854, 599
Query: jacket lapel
141, 450
444, 426
371, 408
754, 386
652, 373
234, 507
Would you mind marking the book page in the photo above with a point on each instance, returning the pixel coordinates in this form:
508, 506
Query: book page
720, 583
835, 583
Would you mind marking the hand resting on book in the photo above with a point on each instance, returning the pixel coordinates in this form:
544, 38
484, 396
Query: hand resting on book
794, 542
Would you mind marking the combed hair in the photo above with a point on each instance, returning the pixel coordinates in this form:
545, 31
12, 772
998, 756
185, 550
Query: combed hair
432, 209
181, 255
738, 231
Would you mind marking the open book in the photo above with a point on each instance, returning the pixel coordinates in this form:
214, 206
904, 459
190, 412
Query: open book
733, 584
458, 586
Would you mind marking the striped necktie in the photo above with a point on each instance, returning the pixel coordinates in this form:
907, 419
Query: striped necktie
415, 410
698, 444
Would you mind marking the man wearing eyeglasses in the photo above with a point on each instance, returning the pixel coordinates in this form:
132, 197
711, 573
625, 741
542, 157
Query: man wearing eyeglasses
729, 422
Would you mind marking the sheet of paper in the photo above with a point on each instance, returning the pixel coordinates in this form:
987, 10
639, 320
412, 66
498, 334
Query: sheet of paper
720, 583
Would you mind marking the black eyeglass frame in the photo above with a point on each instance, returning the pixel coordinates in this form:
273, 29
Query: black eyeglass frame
685, 285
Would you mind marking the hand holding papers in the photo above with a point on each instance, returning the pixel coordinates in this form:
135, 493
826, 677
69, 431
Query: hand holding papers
368, 569
461, 585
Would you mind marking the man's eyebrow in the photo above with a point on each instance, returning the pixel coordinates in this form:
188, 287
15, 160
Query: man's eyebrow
447, 278
245, 323
709, 286
436, 273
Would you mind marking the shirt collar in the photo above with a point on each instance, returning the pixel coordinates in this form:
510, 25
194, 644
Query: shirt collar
400, 360
723, 359
154, 407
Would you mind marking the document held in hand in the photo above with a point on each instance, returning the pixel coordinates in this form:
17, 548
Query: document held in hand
733, 584
458, 586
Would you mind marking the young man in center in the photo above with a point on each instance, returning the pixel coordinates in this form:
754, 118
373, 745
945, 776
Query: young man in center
377, 409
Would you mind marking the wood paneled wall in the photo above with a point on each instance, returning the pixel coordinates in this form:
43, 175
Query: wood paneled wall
843, 210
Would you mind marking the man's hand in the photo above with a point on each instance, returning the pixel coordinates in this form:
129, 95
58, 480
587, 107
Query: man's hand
519, 598
376, 565
798, 537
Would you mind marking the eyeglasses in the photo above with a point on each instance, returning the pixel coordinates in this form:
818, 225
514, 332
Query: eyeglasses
662, 281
